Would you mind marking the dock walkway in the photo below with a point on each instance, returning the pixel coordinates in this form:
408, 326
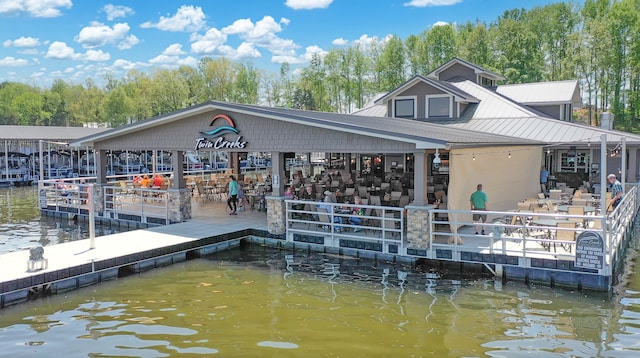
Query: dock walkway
74, 264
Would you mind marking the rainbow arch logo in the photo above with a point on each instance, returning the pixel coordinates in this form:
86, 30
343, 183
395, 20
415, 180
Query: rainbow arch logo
228, 127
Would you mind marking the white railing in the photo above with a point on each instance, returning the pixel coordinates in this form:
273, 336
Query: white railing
380, 228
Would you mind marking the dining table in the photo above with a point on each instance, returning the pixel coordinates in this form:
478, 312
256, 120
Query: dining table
565, 209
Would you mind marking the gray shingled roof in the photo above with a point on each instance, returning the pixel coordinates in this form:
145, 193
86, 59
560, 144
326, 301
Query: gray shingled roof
46, 133
423, 135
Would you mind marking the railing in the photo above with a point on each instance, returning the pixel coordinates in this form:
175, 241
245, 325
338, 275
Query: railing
380, 229
127, 204
136, 204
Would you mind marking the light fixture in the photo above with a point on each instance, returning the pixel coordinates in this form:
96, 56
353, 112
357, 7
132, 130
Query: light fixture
474, 156
436, 159
509, 154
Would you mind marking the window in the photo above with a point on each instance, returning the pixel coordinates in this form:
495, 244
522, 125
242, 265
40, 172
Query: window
405, 108
574, 161
438, 107
486, 82
566, 113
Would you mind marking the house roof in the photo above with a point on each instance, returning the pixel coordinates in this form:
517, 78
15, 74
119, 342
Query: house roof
499, 115
445, 87
456, 60
543, 93
10, 132
422, 135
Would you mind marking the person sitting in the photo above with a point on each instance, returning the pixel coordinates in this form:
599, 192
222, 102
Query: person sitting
144, 182
357, 210
308, 193
331, 209
289, 194
157, 180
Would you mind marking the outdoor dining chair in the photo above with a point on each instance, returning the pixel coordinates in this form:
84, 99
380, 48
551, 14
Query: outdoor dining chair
565, 235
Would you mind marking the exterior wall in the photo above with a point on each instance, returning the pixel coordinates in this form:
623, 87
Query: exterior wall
276, 215
458, 70
418, 227
261, 134
552, 111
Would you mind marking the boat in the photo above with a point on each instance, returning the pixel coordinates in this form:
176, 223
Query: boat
14, 169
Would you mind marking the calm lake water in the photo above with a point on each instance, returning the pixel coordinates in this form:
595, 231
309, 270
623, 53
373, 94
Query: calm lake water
259, 302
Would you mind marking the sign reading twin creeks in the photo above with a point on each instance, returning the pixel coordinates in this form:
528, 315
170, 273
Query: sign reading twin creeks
216, 139
589, 250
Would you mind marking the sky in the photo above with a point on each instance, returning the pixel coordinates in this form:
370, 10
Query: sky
45, 40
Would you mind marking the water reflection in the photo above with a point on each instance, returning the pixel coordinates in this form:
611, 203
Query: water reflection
22, 227
256, 301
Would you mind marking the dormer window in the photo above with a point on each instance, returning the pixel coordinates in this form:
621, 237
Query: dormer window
404, 107
439, 106
487, 82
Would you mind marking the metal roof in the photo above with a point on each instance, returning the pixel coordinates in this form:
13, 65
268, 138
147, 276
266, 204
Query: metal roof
33, 133
499, 115
422, 135
542, 93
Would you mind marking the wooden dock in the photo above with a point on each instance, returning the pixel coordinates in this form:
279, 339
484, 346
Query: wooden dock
75, 264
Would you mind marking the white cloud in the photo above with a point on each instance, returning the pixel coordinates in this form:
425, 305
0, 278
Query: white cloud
426, 3
96, 56
60, 51
440, 23
23, 42
128, 43
262, 34
124, 64
187, 18
244, 51
34, 8
366, 41
292, 60
99, 34
313, 50
116, 11
13, 62
173, 50
209, 42
339, 42
308, 4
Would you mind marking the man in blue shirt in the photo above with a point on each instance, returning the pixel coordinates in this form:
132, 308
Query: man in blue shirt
616, 190
544, 178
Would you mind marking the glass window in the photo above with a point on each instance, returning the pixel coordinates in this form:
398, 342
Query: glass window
439, 107
404, 108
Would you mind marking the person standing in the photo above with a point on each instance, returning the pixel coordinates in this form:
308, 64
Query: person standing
478, 202
616, 191
544, 178
232, 201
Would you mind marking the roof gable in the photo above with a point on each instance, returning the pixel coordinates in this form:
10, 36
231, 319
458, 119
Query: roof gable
458, 61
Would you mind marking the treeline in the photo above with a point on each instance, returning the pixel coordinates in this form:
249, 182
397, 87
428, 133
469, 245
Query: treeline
597, 43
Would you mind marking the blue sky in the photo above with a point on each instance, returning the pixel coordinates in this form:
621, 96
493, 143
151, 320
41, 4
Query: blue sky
42, 40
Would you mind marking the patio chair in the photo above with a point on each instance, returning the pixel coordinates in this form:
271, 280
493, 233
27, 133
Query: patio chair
404, 201
576, 210
564, 235
555, 194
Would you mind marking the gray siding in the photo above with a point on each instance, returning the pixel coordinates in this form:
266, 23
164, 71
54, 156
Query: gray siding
552, 111
262, 134
458, 70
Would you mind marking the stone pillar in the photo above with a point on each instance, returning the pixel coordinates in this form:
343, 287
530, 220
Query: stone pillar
418, 226
178, 181
101, 166
420, 178
277, 173
276, 214
98, 198
179, 202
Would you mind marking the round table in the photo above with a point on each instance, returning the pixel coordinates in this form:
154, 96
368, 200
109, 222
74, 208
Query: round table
565, 208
